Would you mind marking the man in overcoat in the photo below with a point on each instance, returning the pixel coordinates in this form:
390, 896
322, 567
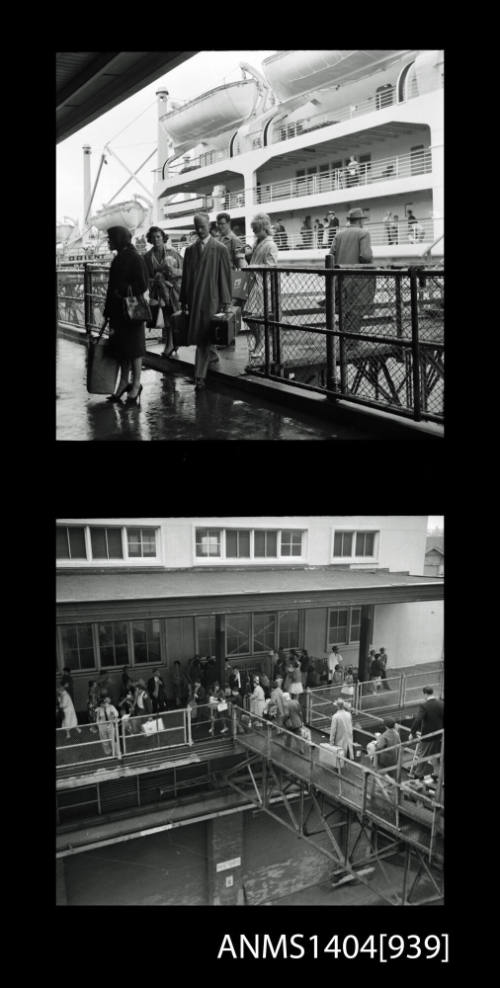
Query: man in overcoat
205, 290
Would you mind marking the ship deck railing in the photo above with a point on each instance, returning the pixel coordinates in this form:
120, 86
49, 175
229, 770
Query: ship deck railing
390, 168
286, 130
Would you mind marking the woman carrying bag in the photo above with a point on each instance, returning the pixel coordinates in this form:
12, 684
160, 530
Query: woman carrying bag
127, 282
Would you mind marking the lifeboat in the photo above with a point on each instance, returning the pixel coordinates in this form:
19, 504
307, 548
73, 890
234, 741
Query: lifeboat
64, 230
130, 214
292, 73
216, 111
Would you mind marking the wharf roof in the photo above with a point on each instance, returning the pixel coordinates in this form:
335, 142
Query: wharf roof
209, 582
434, 543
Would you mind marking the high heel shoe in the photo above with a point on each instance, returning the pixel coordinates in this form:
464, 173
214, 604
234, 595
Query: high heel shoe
118, 396
170, 353
136, 400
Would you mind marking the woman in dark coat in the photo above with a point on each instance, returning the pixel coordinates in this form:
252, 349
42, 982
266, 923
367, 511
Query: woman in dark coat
127, 341
164, 267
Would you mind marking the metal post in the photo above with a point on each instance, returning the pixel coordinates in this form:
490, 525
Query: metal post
415, 344
188, 726
275, 315
405, 874
402, 691
308, 705
331, 361
343, 360
87, 288
116, 739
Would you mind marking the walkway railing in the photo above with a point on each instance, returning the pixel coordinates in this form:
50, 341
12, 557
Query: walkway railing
370, 336
381, 796
402, 690
381, 235
338, 179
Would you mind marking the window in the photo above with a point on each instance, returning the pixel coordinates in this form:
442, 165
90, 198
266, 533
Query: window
264, 632
291, 543
365, 543
343, 544
147, 647
238, 634
141, 542
208, 541
106, 543
238, 544
266, 544
289, 629
70, 543
344, 625
354, 545
78, 646
113, 644
205, 632
355, 624
338, 626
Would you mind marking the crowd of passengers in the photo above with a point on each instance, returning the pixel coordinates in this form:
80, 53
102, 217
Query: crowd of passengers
197, 685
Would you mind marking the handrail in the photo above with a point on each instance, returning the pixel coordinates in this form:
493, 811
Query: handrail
366, 173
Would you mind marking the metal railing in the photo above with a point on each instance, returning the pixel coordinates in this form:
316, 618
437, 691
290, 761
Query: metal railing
370, 336
151, 732
378, 101
381, 235
373, 793
338, 179
87, 743
402, 691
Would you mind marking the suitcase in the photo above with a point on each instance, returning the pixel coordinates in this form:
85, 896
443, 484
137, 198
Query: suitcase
102, 368
222, 328
331, 755
179, 322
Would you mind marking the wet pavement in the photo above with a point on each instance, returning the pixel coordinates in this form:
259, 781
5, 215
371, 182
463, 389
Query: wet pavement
172, 410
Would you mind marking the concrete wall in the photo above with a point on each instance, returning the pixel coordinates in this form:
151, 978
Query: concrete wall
411, 633
401, 541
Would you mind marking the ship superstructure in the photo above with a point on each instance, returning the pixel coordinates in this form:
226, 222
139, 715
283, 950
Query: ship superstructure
315, 131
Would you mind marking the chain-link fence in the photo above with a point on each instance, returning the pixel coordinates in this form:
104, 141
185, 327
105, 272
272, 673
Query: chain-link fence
370, 336
81, 296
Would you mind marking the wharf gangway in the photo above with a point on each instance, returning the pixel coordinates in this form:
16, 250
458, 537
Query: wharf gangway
379, 816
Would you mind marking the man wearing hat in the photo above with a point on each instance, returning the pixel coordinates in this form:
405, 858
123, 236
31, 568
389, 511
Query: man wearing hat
349, 248
352, 246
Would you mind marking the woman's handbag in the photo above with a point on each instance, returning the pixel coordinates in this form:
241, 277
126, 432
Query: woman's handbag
136, 307
241, 284
102, 366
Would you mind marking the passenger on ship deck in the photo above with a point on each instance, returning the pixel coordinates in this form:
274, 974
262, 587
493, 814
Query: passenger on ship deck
106, 713
205, 290
164, 267
352, 247
257, 698
333, 223
127, 342
352, 171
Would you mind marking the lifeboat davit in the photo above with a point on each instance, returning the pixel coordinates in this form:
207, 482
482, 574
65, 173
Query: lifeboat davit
130, 214
291, 73
216, 111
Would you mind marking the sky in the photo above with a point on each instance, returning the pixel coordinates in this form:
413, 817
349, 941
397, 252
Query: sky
131, 130
435, 521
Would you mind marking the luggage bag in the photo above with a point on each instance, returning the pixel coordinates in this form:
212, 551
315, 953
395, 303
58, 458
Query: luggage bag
102, 367
331, 755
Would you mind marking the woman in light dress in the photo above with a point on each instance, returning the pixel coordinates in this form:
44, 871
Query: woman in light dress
257, 699
265, 252
70, 719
